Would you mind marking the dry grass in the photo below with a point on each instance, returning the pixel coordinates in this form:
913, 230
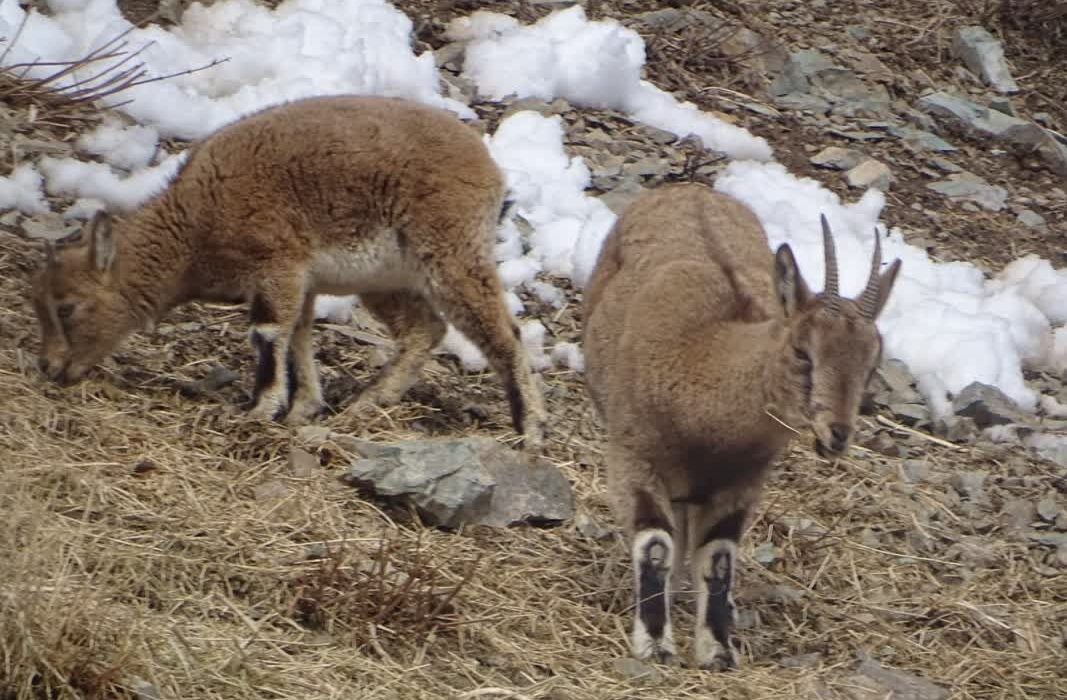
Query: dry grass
157, 538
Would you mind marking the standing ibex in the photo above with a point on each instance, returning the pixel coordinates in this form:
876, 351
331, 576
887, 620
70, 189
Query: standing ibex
385, 198
701, 347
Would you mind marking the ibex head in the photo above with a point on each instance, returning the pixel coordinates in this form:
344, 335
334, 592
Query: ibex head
81, 313
833, 345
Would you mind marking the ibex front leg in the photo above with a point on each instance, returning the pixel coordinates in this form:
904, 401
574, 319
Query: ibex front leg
714, 566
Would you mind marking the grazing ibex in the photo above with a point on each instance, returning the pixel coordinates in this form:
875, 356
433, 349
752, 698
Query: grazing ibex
395, 201
701, 348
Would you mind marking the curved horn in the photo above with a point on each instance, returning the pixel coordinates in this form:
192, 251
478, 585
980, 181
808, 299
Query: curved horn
868, 301
830, 288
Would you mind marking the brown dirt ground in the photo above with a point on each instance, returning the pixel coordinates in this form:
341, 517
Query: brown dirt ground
159, 536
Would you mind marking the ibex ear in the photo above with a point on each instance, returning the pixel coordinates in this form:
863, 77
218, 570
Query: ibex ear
792, 290
885, 286
101, 242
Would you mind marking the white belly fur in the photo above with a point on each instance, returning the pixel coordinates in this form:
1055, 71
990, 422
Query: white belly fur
372, 265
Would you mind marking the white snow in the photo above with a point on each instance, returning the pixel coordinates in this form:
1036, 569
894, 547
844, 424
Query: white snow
76, 178
22, 190
949, 322
590, 64
125, 147
547, 187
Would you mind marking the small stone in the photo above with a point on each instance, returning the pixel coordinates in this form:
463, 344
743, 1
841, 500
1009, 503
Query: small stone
589, 528
898, 685
910, 413
837, 158
923, 140
632, 669
858, 32
987, 405
810, 660
870, 173
944, 164
970, 485
1032, 220
1002, 105
1047, 508
144, 690
620, 198
273, 490
983, 54
969, 187
302, 463
658, 136
1019, 513
900, 381
915, 470
859, 135
766, 553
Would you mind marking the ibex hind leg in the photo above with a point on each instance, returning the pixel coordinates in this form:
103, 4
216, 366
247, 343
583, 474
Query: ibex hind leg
474, 303
305, 388
417, 329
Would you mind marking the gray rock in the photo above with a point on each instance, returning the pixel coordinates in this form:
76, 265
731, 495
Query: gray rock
466, 480
837, 158
922, 140
982, 53
810, 80
980, 120
968, 187
897, 685
1032, 220
972, 116
987, 405
970, 485
870, 173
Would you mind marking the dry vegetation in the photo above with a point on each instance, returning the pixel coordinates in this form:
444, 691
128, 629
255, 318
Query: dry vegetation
156, 541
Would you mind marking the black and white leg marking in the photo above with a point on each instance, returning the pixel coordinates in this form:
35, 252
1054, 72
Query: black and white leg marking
714, 564
653, 554
271, 392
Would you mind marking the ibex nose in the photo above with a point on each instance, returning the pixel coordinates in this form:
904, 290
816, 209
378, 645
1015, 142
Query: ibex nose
840, 434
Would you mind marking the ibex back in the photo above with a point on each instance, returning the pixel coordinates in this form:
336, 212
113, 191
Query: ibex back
703, 352
385, 198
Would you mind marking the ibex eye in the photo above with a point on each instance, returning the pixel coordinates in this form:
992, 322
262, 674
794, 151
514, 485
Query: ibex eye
65, 310
802, 356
